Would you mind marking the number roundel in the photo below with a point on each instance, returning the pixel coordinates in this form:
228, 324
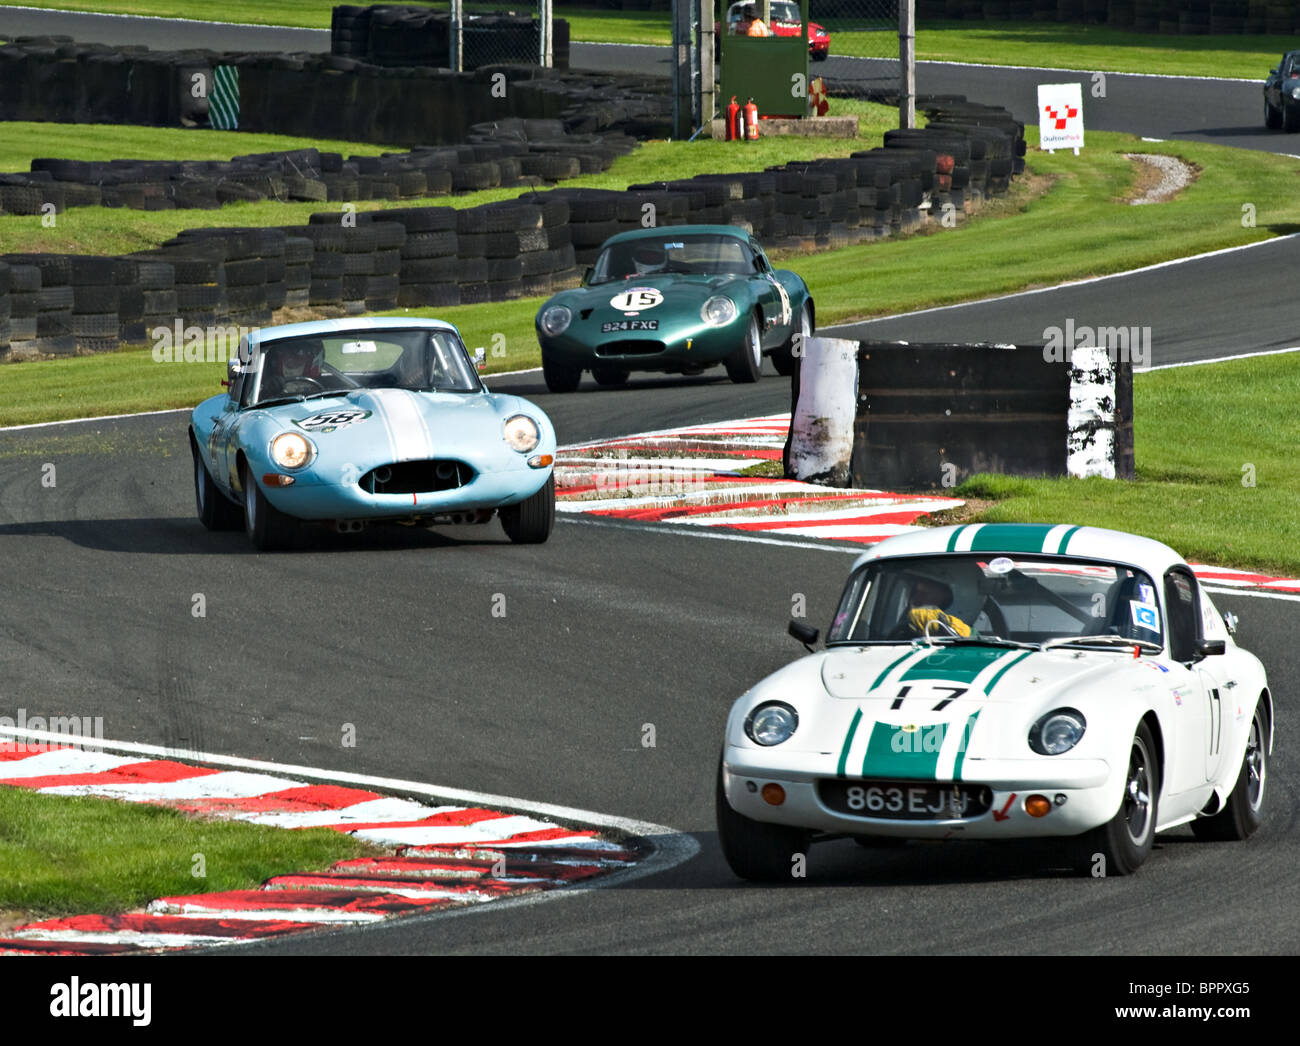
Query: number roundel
635, 299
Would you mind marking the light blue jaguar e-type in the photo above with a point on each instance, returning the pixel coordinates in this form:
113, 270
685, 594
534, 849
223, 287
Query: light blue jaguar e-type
352, 422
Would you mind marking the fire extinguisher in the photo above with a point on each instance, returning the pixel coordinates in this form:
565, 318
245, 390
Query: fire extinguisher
751, 121
733, 120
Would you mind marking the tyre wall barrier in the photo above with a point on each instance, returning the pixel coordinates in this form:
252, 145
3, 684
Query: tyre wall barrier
929, 416
314, 95
431, 256
392, 34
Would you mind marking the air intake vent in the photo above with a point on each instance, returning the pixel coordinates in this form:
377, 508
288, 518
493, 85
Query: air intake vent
417, 477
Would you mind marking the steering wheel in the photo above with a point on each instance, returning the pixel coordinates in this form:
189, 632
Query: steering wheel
997, 620
288, 383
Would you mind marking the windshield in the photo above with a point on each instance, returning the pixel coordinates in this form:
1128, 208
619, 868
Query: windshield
1031, 599
700, 253
421, 360
784, 11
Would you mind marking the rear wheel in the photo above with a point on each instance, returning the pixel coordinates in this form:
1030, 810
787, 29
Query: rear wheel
756, 850
559, 377
1122, 844
215, 510
1243, 812
609, 376
745, 365
530, 521
267, 527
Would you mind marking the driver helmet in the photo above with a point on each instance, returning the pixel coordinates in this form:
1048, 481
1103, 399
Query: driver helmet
956, 590
648, 257
299, 359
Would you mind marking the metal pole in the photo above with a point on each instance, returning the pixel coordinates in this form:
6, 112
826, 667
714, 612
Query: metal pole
546, 56
708, 99
455, 41
907, 63
682, 69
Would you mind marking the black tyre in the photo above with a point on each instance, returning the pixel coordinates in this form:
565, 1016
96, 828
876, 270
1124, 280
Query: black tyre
879, 842
609, 376
745, 365
1122, 844
266, 526
1272, 117
755, 850
1243, 812
215, 510
530, 521
1291, 117
559, 377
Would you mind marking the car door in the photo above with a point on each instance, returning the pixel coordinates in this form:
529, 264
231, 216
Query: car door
774, 301
1197, 704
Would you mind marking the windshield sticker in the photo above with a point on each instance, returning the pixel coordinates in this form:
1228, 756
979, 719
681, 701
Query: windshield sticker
1144, 615
672, 246
350, 348
636, 298
329, 420
1146, 593
1001, 565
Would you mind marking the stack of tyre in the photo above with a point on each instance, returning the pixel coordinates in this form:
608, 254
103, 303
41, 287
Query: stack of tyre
349, 31
429, 267
298, 252
253, 265
53, 302
24, 282
155, 284
355, 261
5, 329
198, 286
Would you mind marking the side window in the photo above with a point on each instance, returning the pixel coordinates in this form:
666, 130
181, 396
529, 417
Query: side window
1182, 608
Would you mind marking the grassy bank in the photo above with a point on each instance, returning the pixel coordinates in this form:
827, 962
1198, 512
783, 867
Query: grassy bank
61, 855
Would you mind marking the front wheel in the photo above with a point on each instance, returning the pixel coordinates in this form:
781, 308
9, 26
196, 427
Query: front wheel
745, 365
215, 510
267, 527
530, 521
1243, 812
1122, 844
756, 850
1291, 117
559, 377
784, 359
1272, 117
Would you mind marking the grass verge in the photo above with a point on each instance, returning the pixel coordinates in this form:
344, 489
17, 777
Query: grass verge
118, 230
61, 855
1212, 482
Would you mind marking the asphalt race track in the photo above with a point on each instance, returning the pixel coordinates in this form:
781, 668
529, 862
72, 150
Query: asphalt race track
608, 628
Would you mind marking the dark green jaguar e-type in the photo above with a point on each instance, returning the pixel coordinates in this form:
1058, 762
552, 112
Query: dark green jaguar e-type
675, 299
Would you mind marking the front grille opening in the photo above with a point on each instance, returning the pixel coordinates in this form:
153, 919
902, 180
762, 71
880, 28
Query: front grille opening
629, 347
417, 477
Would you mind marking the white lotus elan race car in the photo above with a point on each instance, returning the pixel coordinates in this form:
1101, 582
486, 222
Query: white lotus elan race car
1003, 681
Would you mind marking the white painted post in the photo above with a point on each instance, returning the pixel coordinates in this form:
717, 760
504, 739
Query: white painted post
821, 447
1090, 438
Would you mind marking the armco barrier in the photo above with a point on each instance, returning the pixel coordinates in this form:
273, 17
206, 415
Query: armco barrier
929, 416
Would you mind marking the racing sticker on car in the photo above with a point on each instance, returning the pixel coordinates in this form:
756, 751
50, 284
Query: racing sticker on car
329, 420
635, 299
629, 325
785, 298
1145, 615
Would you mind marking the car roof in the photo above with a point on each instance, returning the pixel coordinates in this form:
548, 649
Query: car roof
681, 230
1091, 543
297, 330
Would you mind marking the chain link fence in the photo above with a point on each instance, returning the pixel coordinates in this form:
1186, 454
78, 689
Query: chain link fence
492, 33
862, 49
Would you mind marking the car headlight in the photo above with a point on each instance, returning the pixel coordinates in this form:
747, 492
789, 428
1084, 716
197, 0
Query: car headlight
1057, 732
556, 319
290, 450
1295, 92
522, 433
771, 723
718, 311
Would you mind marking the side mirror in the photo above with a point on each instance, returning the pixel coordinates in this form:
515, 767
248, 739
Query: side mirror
1211, 647
806, 634
1230, 621
480, 358
232, 374
586, 276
